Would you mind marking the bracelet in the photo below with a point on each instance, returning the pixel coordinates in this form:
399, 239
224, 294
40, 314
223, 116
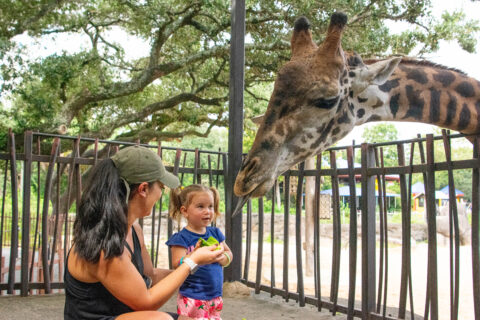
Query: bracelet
229, 259
191, 264
181, 260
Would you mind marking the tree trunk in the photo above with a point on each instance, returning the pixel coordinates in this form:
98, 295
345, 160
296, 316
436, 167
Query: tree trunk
309, 218
278, 199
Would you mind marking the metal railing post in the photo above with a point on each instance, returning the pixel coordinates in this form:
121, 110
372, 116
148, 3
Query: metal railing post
233, 226
27, 174
368, 232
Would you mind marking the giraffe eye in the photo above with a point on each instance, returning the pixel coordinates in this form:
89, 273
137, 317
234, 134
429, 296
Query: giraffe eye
325, 103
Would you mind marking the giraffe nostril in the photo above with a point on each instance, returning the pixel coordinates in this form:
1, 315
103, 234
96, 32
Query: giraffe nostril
250, 165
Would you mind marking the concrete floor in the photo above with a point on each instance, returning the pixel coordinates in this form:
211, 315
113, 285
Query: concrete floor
255, 307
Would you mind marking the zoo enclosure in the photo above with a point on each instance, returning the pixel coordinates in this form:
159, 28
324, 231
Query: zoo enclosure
33, 170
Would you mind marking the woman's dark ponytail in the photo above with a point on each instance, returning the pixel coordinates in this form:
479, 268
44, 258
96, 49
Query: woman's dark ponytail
101, 222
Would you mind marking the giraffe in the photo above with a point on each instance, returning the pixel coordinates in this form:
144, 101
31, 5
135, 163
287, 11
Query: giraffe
323, 92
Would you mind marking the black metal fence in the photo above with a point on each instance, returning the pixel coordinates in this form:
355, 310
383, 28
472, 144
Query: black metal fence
354, 263
384, 278
41, 181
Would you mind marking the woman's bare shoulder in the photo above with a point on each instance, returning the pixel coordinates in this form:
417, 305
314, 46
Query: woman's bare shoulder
89, 272
79, 268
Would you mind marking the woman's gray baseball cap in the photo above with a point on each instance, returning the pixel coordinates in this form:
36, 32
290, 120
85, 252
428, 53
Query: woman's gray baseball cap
137, 164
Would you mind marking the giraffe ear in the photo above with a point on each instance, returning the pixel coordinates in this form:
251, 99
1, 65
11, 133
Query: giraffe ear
301, 42
376, 74
258, 119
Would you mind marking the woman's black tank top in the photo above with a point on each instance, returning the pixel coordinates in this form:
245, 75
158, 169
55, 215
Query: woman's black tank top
92, 300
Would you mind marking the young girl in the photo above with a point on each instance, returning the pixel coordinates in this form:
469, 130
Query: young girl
200, 296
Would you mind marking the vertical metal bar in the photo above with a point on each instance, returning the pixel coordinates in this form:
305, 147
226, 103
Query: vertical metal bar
159, 229
218, 167
352, 257
56, 219
286, 215
152, 228
258, 278
406, 235
337, 234
298, 235
160, 201
382, 207
37, 219
95, 150
46, 201
475, 230
248, 245
409, 219
4, 190
368, 233
424, 173
233, 227
272, 242
196, 162
152, 249
78, 176
71, 170
14, 234
423, 160
316, 235
27, 174
432, 229
385, 230
169, 223
210, 175
199, 166
453, 214
183, 166
109, 149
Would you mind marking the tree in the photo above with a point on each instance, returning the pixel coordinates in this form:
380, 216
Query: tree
382, 132
178, 86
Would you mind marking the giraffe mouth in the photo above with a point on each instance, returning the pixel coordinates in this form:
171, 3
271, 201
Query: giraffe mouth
258, 191
241, 202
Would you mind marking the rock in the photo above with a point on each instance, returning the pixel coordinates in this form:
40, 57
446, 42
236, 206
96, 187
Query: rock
235, 289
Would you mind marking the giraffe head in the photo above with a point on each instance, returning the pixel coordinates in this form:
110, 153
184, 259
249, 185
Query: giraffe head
311, 106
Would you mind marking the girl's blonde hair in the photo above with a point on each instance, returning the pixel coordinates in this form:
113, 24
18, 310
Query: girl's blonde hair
182, 196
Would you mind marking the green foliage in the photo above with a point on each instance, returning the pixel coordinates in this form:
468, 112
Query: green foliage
417, 218
158, 70
382, 132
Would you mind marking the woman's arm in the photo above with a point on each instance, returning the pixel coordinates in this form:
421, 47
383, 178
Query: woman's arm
122, 279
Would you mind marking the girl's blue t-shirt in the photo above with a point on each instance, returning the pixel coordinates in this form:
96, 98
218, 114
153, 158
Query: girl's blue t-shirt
207, 282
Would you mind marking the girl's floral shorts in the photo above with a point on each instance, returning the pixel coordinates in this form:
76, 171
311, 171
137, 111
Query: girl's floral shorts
200, 309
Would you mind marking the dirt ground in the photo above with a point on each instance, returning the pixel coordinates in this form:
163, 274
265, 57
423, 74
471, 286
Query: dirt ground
263, 307
419, 275
254, 307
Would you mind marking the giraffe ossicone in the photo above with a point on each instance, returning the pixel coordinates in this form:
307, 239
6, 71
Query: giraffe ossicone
323, 92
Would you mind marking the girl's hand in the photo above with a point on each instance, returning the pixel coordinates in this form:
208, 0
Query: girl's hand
207, 255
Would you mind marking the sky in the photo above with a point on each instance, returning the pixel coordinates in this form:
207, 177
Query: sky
450, 55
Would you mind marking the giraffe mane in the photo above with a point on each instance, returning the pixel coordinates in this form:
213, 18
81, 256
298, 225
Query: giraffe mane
417, 62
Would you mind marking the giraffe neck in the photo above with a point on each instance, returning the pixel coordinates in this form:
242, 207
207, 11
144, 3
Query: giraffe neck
423, 92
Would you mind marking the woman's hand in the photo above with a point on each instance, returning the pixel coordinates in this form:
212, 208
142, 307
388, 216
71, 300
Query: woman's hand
207, 255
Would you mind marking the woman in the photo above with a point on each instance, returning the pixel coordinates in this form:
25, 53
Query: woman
102, 279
